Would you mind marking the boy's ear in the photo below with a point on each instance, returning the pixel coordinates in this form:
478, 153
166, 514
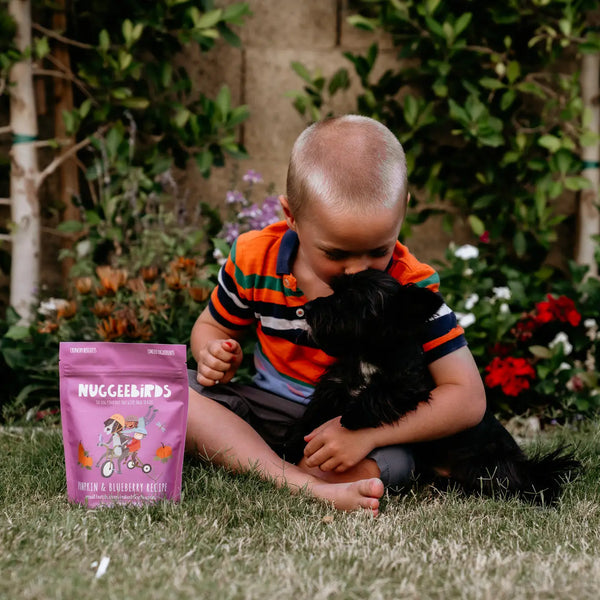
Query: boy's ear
287, 213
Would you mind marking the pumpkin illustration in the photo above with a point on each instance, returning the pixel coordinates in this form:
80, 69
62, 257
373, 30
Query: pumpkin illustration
163, 453
83, 457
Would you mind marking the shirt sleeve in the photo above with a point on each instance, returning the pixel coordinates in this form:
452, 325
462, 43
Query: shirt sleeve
443, 334
230, 303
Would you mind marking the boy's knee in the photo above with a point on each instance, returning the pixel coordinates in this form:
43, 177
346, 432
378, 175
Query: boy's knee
396, 465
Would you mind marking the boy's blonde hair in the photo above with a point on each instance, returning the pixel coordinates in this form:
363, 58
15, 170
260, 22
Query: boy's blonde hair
349, 162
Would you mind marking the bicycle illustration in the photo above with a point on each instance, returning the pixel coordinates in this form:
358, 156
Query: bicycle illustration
134, 461
110, 457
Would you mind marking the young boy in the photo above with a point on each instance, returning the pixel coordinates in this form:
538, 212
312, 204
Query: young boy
346, 201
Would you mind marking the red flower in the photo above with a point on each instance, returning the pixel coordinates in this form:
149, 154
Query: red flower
523, 329
557, 309
513, 374
500, 349
484, 238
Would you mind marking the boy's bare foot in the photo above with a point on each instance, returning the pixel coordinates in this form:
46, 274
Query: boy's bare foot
351, 496
365, 469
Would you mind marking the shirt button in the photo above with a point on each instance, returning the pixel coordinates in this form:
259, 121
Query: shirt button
300, 312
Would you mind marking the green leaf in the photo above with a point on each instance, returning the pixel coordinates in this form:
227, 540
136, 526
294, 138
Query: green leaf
513, 71
238, 115
181, 117
127, 29
302, 71
435, 27
204, 161
135, 103
136, 34
508, 99
411, 110
361, 22
477, 225
462, 23
42, 48
70, 121
520, 243
209, 19
575, 184
85, 108
125, 59
490, 83
120, 93
70, 226
112, 140
104, 39
339, 81
550, 142
235, 12
221, 245
17, 332
540, 351
223, 102
166, 74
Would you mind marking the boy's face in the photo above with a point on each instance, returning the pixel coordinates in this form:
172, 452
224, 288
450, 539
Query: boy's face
334, 242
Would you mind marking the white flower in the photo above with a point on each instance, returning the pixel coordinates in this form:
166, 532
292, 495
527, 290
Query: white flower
563, 339
563, 367
591, 329
464, 320
52, 305
471, 301
466, 252
468, 272
219, 257
83, 248
504, 309
502, 293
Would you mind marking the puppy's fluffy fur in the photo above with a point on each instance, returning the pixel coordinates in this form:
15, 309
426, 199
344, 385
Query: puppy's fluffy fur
373, 325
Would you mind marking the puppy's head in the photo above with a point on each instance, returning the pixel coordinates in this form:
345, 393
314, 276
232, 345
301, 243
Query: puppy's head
367, 311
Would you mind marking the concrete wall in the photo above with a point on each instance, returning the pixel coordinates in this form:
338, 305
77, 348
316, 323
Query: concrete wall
315, 33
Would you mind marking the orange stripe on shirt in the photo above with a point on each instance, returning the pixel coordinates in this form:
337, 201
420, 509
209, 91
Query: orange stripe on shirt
453, 333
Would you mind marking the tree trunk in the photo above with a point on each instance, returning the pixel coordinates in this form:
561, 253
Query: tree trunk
63, 101
588, 217
24, 174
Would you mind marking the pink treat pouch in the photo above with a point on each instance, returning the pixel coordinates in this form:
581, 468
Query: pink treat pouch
124, 411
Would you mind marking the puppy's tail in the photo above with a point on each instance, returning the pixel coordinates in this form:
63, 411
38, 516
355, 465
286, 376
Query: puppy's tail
538, 479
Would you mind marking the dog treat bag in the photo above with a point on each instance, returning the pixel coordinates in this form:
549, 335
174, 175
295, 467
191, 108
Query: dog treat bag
124, 411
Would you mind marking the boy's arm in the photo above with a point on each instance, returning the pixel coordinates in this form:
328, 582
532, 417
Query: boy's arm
457, 403
216, 348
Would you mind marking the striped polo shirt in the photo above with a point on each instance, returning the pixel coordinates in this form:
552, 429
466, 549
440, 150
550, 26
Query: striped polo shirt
256, 286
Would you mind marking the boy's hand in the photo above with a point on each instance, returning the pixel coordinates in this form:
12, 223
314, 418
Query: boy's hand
332, 447
218, 362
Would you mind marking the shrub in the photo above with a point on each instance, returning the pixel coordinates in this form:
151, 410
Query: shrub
538, 352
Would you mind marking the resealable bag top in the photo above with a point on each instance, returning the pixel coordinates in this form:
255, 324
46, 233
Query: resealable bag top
124, 412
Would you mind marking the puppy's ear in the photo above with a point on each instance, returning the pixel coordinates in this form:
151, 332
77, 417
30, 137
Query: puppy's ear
417, 305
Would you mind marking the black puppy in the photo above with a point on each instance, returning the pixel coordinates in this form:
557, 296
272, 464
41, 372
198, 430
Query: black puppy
374, 326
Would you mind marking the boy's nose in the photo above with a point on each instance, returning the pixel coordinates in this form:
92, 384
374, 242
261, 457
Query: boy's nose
356, 265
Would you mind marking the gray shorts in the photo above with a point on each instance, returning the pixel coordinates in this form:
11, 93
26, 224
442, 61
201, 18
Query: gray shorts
273, 417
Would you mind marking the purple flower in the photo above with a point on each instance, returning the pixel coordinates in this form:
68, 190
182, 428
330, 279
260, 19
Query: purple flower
230, 232
234, 197
252, 176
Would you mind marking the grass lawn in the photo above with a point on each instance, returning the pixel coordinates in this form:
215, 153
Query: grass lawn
238, 537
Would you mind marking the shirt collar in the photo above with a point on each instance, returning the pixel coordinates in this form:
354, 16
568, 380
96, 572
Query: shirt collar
287, 252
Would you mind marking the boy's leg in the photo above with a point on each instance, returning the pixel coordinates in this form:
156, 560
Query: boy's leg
224, 438
394, 465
